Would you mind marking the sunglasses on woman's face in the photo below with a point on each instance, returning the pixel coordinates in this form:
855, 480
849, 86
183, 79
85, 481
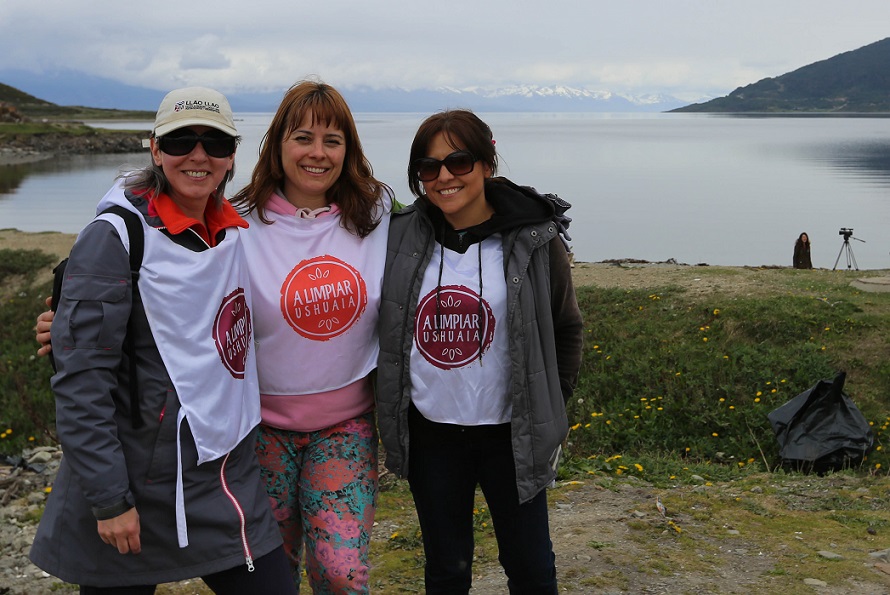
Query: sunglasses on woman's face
216, 144
458, 163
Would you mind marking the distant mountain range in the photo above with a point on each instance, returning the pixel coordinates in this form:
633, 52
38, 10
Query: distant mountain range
67, 88
853, 82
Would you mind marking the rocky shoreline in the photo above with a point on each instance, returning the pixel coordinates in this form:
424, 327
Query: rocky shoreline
28, 148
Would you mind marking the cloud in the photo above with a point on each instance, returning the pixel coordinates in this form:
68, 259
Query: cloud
685, 46
205, 54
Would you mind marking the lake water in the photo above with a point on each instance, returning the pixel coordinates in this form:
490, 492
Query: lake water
695, 188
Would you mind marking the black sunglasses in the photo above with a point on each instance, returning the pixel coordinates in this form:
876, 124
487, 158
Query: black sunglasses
215, 144
458, 163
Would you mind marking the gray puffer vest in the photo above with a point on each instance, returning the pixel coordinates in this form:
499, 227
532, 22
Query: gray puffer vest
539, 423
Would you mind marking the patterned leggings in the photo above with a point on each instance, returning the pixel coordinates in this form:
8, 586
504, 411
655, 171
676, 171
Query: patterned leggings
322, 486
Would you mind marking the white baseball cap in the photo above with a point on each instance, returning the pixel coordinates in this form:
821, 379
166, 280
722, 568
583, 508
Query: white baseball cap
194, 106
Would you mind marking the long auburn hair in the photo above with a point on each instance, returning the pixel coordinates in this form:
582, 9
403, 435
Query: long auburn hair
356, 191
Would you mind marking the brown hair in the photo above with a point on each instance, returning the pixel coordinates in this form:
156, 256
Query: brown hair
458, 126
356, 191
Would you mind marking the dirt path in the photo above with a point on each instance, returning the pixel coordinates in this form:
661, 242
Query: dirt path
615, 541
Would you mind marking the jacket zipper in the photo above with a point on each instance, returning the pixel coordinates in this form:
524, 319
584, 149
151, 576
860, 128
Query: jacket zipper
195, 233
248, 557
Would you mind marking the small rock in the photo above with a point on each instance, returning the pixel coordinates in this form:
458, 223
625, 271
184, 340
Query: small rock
757, 490
40, 458
830, 555
697, 478
814, 582
733, 532
35, 498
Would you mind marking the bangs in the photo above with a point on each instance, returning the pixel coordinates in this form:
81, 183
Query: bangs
322, 110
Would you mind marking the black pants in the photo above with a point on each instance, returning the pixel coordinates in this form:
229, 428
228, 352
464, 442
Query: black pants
446, 463
271, 574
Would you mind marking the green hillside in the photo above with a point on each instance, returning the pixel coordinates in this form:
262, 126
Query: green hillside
34, 107
853, 82
20, 99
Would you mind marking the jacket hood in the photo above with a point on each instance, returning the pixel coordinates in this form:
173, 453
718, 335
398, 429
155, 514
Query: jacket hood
514, 206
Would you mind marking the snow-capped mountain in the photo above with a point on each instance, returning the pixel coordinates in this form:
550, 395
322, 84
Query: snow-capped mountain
76, 88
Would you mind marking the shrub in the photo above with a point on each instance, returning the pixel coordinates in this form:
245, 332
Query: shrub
664, 372
27, 409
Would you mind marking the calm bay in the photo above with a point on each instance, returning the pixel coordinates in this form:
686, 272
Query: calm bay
694, 188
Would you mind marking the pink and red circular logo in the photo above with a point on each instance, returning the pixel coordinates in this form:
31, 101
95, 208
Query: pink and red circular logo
452, 334
232, 332
323, 297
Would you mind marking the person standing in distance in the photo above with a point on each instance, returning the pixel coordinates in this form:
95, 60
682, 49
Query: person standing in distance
802, 258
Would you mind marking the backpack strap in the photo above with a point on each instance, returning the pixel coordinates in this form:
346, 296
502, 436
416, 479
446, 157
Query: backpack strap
133, 222
137, 238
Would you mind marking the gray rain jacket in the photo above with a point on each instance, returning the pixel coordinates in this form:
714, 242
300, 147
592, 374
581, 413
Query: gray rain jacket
545, 326
109, 467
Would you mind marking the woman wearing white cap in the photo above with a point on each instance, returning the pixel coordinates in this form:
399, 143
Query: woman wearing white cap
161, 483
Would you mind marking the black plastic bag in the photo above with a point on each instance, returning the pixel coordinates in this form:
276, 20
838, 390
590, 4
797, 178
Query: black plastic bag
821, 429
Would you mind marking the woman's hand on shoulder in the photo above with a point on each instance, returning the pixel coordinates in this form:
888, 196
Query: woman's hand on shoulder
44, 321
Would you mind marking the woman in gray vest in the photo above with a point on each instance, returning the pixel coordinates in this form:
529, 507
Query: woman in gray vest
480, 346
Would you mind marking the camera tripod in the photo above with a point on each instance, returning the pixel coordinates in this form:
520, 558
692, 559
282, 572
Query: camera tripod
851, 260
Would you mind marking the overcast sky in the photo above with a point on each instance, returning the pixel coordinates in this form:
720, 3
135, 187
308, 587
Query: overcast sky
688, 48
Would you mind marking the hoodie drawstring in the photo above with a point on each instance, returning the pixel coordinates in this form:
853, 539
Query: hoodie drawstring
481, 308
